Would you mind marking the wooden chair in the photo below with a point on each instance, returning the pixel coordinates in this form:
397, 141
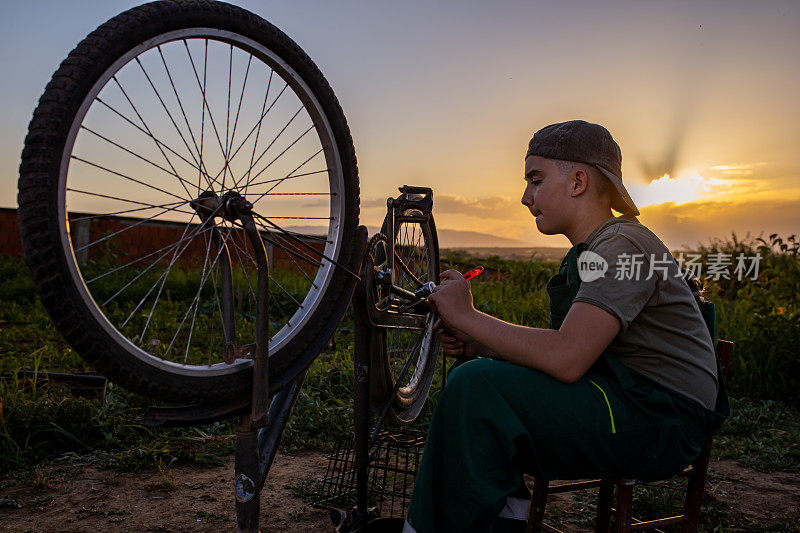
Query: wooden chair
624, 520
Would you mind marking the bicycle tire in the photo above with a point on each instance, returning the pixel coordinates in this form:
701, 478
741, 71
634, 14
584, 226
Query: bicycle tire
44, 222
391, 347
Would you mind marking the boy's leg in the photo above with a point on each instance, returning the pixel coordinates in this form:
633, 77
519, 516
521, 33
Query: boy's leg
496, 420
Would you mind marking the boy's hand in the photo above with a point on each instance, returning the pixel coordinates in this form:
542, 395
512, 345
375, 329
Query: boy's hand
452, 300
456, 343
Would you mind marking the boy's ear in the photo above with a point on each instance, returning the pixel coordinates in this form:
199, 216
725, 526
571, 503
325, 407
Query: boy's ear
579, 181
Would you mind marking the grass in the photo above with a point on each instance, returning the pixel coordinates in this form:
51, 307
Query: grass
761, 434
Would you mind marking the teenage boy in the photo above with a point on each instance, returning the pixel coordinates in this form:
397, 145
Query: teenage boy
622, 384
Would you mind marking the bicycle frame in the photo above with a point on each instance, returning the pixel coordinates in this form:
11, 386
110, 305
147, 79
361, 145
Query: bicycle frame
399, 210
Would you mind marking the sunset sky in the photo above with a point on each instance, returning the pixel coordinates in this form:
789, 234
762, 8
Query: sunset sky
703, 98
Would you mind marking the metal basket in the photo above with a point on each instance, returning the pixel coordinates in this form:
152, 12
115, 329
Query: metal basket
394, 459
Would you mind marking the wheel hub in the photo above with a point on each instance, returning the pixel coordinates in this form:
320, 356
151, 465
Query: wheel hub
229, 206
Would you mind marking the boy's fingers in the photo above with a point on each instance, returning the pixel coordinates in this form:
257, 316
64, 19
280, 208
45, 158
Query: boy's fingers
450, 352
446, 335
449, 274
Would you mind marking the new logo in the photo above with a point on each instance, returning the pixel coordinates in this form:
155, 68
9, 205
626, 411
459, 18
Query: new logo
591, 266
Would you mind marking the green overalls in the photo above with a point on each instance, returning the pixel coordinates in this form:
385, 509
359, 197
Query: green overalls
496, 420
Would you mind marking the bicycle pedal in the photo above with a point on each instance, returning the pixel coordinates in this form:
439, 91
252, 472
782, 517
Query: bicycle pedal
413, 204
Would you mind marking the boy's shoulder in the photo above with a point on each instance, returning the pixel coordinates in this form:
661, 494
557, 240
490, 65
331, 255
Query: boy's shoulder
625, 233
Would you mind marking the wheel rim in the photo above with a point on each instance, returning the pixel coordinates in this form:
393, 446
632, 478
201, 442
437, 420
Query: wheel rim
413, 243
185, 150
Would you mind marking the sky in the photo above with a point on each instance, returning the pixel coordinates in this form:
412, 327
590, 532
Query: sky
702, 98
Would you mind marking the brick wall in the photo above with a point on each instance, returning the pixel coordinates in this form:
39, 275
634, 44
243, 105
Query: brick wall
141, 239
9, 233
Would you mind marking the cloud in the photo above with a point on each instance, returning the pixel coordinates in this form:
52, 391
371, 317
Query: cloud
738, 170
680, 225
489, 207
367, 203
496, 207
316, 203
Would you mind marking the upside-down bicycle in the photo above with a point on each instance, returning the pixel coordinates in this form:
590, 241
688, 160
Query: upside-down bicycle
188, 205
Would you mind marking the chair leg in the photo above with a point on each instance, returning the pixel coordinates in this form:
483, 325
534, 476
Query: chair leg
696, 489
624, 507
538, 502
603, 520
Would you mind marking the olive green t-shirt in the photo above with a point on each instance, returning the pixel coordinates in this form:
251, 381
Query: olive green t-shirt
663, 335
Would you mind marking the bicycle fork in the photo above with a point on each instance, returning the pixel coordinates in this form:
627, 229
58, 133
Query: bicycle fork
250, 466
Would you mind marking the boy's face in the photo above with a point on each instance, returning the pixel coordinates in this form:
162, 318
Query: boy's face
546, 194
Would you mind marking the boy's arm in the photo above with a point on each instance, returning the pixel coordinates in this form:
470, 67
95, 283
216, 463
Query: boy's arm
565, 354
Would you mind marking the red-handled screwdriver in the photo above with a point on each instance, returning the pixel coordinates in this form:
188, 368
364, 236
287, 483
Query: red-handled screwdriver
477, 271
427, 288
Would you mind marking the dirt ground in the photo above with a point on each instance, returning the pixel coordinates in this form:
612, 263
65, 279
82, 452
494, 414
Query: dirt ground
79, 498
85, 499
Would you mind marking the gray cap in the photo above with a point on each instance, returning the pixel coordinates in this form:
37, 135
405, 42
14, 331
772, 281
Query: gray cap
585, 142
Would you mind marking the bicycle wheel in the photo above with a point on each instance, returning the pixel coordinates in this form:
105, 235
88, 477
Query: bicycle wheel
161, 108
416, 261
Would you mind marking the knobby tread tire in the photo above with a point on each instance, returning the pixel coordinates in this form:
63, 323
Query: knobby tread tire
38, 200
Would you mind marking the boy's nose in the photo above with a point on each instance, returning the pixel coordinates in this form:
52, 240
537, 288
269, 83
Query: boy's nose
527, 199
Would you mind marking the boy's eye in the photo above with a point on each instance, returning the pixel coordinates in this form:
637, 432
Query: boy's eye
536, 182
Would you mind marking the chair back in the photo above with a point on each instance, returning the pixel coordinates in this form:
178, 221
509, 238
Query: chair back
724, 351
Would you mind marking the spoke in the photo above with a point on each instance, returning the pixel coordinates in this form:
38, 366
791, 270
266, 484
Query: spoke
202, 108
278, 181
196, 301
127, 177
272, 278
305, 245
139, 223
283, 152
203, 280
206, 106
241, 98
143, 272
309, 236
237, 249
126, 211
294, 252
159, 142
255, 143
126, 265
148, 206
197, 306
270, 146
405, 269
228, 113
303, 218
163, 279
275, 281
186, 120
164, 105
171, 173
291, 175
150, 133
263, 116
217, 307
295, 176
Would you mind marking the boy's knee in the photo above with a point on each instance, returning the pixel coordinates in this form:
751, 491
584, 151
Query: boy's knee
470, 374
